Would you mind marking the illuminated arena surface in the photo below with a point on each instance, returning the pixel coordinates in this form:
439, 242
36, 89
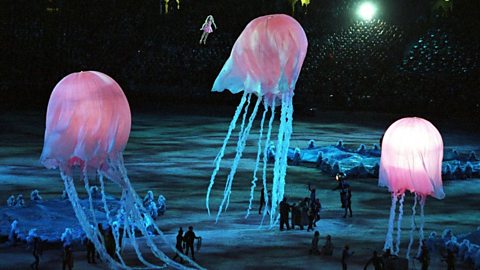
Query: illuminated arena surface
172, 154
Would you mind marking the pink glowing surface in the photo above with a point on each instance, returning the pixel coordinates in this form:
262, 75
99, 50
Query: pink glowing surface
88, 120
266, 58
412, 153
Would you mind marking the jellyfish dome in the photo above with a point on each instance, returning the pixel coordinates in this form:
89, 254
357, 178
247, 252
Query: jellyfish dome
87, 128
265, 62
266, 58
412, 153
411, 160
88, 122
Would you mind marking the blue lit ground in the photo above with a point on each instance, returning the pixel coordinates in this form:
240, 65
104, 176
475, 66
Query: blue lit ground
173, 155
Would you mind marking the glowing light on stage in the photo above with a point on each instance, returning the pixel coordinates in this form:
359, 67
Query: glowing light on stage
367, 11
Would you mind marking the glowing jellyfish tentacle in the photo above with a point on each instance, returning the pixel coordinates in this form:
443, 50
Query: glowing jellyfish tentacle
240, 150
242, 138
118, 246
389, 238
82, 218
265, 161
240, 147
90, 199
104, 197
279, 162
132, 199
133, 240
423, 198
287, 127
136, 198
116, 236
125, 227
221, 153
138, 222
286, 144
412, 223
399, 223
133, 210
92, 210
257, 160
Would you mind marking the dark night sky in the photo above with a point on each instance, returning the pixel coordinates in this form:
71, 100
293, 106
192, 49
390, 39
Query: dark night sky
413, 54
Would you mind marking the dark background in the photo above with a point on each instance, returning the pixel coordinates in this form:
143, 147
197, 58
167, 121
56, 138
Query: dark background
416, 57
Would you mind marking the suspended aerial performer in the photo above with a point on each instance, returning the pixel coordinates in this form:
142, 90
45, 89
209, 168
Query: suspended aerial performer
207, 28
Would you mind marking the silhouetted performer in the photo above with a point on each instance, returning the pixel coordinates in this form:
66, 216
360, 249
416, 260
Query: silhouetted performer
342, 186
317, 208
348, 201
327, 249
110, 242
376, 261
262, 201
90, 251
316, 238
345, 255
179, 245
296, 216
36, 252
311, 217
189, 239
424, 258
450, 260
102, 232
284, 210
67, 257
312, 193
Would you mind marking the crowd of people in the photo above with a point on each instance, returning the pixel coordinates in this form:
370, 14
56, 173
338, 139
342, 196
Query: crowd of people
426, 58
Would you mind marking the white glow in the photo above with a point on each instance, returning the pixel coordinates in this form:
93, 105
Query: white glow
366, 11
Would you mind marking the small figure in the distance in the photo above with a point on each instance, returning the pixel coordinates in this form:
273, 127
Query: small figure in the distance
376, 261
327, 249
346, 253
207, 28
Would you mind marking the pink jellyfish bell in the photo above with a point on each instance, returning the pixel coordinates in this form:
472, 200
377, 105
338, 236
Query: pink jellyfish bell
88, 123
412, 153
265, 61
87, 129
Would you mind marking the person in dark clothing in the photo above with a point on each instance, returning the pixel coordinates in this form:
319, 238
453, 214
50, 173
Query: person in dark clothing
348, 202
327, 249
317, 208
284, 210
387, 254
67, 257
376, 261
343, 187
311, 217
102, 232
314, 248
189, 239
313, 193
90, 251
345, 255
424, 257
36, 252
296, 216
179, 245
262, 201
450, 260
110, 242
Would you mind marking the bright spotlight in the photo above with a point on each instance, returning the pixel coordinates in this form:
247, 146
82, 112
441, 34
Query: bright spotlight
366, 11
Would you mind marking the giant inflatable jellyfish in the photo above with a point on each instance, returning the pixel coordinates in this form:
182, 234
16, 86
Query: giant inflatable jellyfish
412, 153
265, 61
87, 127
